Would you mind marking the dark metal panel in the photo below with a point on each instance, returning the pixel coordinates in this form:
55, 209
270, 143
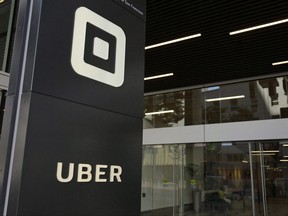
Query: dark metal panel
68, 132
5, 145
18, 46
52, 70
68, 118
137, 7
19, 133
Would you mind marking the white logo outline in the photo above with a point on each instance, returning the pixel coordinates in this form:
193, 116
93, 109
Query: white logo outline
83, 16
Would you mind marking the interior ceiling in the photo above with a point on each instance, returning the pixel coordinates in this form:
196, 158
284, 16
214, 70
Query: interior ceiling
215, 56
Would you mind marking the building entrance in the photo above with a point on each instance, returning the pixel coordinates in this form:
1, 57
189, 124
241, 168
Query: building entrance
269, 177
233, 178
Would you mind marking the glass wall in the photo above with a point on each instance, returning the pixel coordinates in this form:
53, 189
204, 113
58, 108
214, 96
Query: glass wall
163, 177
245, 101
234, 178
6, 15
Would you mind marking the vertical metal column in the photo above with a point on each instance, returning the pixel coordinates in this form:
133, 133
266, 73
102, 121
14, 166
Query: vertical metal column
19, 93
174, 179
252, 180
181, 181
153, 176
263, 183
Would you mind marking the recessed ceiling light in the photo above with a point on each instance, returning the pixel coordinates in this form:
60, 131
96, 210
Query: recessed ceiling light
279, 63
157, 146
158, 76
266, 154
173, 41
226, 144
212, 88
259, 27
160, 112
266, 151
225, 98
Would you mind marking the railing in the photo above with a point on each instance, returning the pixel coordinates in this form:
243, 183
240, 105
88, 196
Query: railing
245, 101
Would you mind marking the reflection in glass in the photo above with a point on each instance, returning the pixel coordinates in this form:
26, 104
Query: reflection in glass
162, 178
246, 101
215, 179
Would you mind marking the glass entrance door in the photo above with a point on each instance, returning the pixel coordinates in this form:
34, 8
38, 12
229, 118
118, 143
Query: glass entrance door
162, 180
228, 178
270, 177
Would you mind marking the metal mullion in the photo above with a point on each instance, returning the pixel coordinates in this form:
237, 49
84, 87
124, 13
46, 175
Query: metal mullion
252, 180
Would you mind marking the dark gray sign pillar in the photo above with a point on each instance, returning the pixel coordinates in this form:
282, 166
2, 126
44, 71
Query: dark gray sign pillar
74, 125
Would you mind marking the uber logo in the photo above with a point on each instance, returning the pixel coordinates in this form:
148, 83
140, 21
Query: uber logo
86, 172
98, 48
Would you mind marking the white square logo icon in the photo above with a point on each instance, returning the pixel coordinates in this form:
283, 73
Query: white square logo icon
100, 48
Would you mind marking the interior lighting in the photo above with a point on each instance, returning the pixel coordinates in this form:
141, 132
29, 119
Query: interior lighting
267, 151
157, 146
160, 112
158, 76
212, 88
284, 160
226, 144
265, 154
259, 27
245, 161
286, 145
279, 63
225, 98
173, 41
1, 1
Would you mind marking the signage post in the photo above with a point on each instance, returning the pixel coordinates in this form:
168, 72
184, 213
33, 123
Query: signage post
74, 131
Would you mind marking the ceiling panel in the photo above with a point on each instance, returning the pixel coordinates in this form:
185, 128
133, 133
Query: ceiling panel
216, 55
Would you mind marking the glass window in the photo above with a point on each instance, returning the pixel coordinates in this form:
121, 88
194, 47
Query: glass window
233, 178
245, 101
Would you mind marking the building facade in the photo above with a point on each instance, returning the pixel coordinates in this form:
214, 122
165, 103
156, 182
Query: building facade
215, 138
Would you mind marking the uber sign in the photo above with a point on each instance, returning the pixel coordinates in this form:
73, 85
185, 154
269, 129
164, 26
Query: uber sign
85, 175
76, 95
101, 48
